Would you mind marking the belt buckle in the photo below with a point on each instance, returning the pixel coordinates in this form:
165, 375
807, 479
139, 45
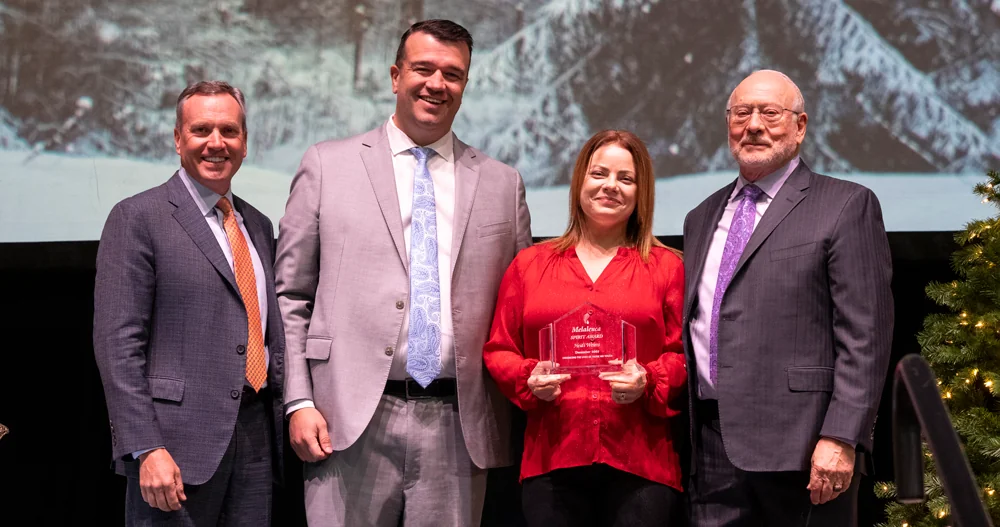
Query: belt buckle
421, 392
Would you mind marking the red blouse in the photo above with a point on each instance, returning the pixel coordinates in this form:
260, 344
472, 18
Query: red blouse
583, 425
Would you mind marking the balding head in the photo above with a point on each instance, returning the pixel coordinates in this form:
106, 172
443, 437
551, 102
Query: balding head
773, 82
767, 123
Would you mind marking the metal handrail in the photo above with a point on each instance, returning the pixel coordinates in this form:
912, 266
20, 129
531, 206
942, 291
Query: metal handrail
917, 407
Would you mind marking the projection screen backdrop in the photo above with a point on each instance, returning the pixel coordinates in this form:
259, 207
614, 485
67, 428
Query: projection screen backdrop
903, 96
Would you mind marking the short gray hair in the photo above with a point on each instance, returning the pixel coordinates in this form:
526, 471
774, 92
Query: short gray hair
212, 88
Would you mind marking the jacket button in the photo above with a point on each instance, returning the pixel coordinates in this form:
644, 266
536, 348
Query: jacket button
235, 394
240, 349
399, 304
388, 351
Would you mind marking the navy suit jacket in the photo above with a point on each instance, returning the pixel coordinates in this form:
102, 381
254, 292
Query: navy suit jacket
170, 330
805, 326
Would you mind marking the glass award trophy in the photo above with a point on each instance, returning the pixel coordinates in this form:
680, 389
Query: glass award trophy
588, 339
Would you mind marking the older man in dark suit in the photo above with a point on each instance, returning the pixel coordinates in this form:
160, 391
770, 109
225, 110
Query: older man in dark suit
187, 333
788, 323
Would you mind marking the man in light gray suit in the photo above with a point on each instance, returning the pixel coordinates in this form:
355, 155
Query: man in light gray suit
187, 333
390, 255
787, 326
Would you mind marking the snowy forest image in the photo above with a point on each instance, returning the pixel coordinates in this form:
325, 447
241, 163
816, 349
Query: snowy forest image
903, 95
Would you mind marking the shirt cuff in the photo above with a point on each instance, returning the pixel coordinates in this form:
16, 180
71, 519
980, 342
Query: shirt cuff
137, 453
298, 404
851, 442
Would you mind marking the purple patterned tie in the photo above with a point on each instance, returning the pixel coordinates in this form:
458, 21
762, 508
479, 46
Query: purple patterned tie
739, 234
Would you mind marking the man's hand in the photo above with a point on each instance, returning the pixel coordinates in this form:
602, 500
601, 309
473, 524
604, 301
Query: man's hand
543, 383
160, 480
308, 436
832, 470
627, 385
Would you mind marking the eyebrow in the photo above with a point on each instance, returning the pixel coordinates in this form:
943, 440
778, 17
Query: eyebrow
192, 124
428, 64
598, 165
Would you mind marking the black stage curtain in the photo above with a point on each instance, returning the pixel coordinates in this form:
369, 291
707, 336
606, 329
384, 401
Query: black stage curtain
54, 463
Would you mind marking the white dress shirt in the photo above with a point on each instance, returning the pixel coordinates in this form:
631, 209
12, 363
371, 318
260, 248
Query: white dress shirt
206, 200
701, 322
442, 169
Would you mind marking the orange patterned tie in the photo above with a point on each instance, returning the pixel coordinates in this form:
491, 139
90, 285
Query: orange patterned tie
247, 282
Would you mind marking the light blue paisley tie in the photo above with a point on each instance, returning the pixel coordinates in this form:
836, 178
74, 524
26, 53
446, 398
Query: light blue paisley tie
423, 358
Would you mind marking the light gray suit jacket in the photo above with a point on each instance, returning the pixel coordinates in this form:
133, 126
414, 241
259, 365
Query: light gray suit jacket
805, 327
342, 282
170, 330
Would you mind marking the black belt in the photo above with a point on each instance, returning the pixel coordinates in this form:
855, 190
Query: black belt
410, 389
707, 409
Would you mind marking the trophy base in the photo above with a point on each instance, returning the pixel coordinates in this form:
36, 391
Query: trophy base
587, 370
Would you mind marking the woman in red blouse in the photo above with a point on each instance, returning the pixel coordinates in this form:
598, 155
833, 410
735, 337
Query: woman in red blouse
598, 448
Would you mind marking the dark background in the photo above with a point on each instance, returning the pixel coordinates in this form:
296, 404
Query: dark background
55, 465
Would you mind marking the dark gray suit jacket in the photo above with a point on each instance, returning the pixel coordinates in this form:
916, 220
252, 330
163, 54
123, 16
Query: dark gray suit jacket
805, 327
170, 330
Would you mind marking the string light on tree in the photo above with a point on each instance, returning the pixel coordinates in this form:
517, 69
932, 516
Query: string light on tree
955, 353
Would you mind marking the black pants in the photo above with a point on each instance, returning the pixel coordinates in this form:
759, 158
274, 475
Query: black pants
597, 495
725, 496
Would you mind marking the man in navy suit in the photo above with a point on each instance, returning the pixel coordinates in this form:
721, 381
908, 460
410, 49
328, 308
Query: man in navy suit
787, 325
187, 333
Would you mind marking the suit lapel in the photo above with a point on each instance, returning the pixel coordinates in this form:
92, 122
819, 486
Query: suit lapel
706, 229
377, 158
189, 216
790, 194
466, 183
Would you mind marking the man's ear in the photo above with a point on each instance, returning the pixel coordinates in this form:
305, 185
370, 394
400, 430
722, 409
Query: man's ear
801, 121
394, 74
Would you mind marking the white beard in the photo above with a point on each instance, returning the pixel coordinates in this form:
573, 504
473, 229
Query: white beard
779, 154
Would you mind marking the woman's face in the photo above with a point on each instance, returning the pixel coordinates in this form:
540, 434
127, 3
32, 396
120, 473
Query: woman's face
609, 188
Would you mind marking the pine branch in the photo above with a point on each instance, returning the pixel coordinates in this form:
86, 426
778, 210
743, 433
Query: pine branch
961, 347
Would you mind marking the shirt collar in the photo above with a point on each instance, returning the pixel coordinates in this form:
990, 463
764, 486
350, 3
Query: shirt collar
204, 197
770, 183
399, 142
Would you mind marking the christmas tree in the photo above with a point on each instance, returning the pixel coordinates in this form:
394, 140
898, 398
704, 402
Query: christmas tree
963, 348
